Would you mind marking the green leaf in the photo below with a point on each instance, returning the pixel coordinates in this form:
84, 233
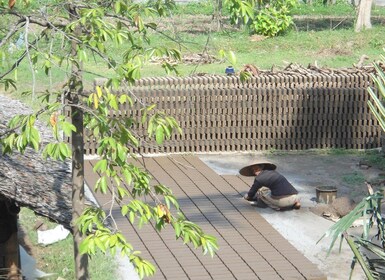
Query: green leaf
132, 217
65, 151
232, 58
68, 128
127, 175
125, 210
343, 224
84, 246
47, 150
82, 55
159, 135
35, 144
122, 99
177, 228
244, 76
161, 189
170, 199
113, 240
122, 192
101, 245
101, 184
113, 103
101, 166
117, 7
91, 246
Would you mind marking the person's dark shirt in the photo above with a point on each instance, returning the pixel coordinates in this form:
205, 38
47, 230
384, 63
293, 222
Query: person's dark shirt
276, 182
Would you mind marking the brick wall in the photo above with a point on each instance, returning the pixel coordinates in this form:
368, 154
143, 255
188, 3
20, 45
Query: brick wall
283, 111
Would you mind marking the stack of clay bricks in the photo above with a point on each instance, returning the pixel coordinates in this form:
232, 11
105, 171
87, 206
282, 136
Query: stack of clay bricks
281, 111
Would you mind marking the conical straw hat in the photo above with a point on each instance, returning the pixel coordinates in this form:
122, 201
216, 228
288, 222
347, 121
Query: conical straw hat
248, 170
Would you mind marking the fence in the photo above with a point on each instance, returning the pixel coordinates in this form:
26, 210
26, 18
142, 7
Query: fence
283, 111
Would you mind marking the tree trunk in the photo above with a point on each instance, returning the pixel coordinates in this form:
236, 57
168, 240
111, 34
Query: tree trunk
81, 261
217, 16
363, 16
77, 141
9, 244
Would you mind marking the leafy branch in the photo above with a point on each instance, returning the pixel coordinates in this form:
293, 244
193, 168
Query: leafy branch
89, 28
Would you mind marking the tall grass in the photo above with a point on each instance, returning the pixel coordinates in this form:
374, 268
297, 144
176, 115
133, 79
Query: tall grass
58, 258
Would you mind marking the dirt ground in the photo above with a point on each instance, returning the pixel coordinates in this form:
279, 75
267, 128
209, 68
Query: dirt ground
347, 171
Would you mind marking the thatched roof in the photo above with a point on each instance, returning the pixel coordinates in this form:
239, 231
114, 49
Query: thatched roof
43, 186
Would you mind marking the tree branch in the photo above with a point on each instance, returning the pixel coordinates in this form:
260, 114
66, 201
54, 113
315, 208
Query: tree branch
12, 32
59, 23
29, 57
22, 56
7, 131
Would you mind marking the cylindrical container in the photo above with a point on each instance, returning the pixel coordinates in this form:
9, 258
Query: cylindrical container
326, 194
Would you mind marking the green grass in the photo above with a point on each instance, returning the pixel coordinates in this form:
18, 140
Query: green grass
354, 179
375, 158
329, 48
204, 7
340, 9
58, 257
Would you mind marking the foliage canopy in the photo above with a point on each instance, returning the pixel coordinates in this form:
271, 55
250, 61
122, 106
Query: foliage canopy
86, 30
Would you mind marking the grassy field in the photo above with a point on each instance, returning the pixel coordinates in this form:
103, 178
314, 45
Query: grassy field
191, 29
327, 48
337, 48
340, 8
57, 258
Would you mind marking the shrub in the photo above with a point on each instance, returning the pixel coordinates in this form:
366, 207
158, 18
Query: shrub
269, 18
272, 21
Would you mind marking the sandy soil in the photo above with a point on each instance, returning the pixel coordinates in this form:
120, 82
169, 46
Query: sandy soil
307, 171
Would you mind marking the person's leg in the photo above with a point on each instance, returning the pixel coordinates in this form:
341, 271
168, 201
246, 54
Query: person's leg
292, 201
288, 202
264, 194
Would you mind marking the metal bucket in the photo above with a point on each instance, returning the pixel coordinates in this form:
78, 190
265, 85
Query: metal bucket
326, 194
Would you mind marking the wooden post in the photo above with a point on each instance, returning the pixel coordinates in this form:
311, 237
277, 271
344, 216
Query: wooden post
9, 245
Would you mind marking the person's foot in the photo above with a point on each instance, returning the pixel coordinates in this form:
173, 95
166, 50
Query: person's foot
258, 203
297, 205
253, 202
261, 204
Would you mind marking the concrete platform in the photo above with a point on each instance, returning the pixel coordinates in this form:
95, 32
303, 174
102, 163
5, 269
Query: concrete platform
250, 248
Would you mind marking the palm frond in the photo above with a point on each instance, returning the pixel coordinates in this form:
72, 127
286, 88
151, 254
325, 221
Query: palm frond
381, 76
371, 247
360, 258
379, 117
336, 230
377, 101
366, 209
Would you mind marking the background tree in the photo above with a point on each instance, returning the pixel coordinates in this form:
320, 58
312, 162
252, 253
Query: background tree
363, 15
268, 18
218, 13
70, 35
